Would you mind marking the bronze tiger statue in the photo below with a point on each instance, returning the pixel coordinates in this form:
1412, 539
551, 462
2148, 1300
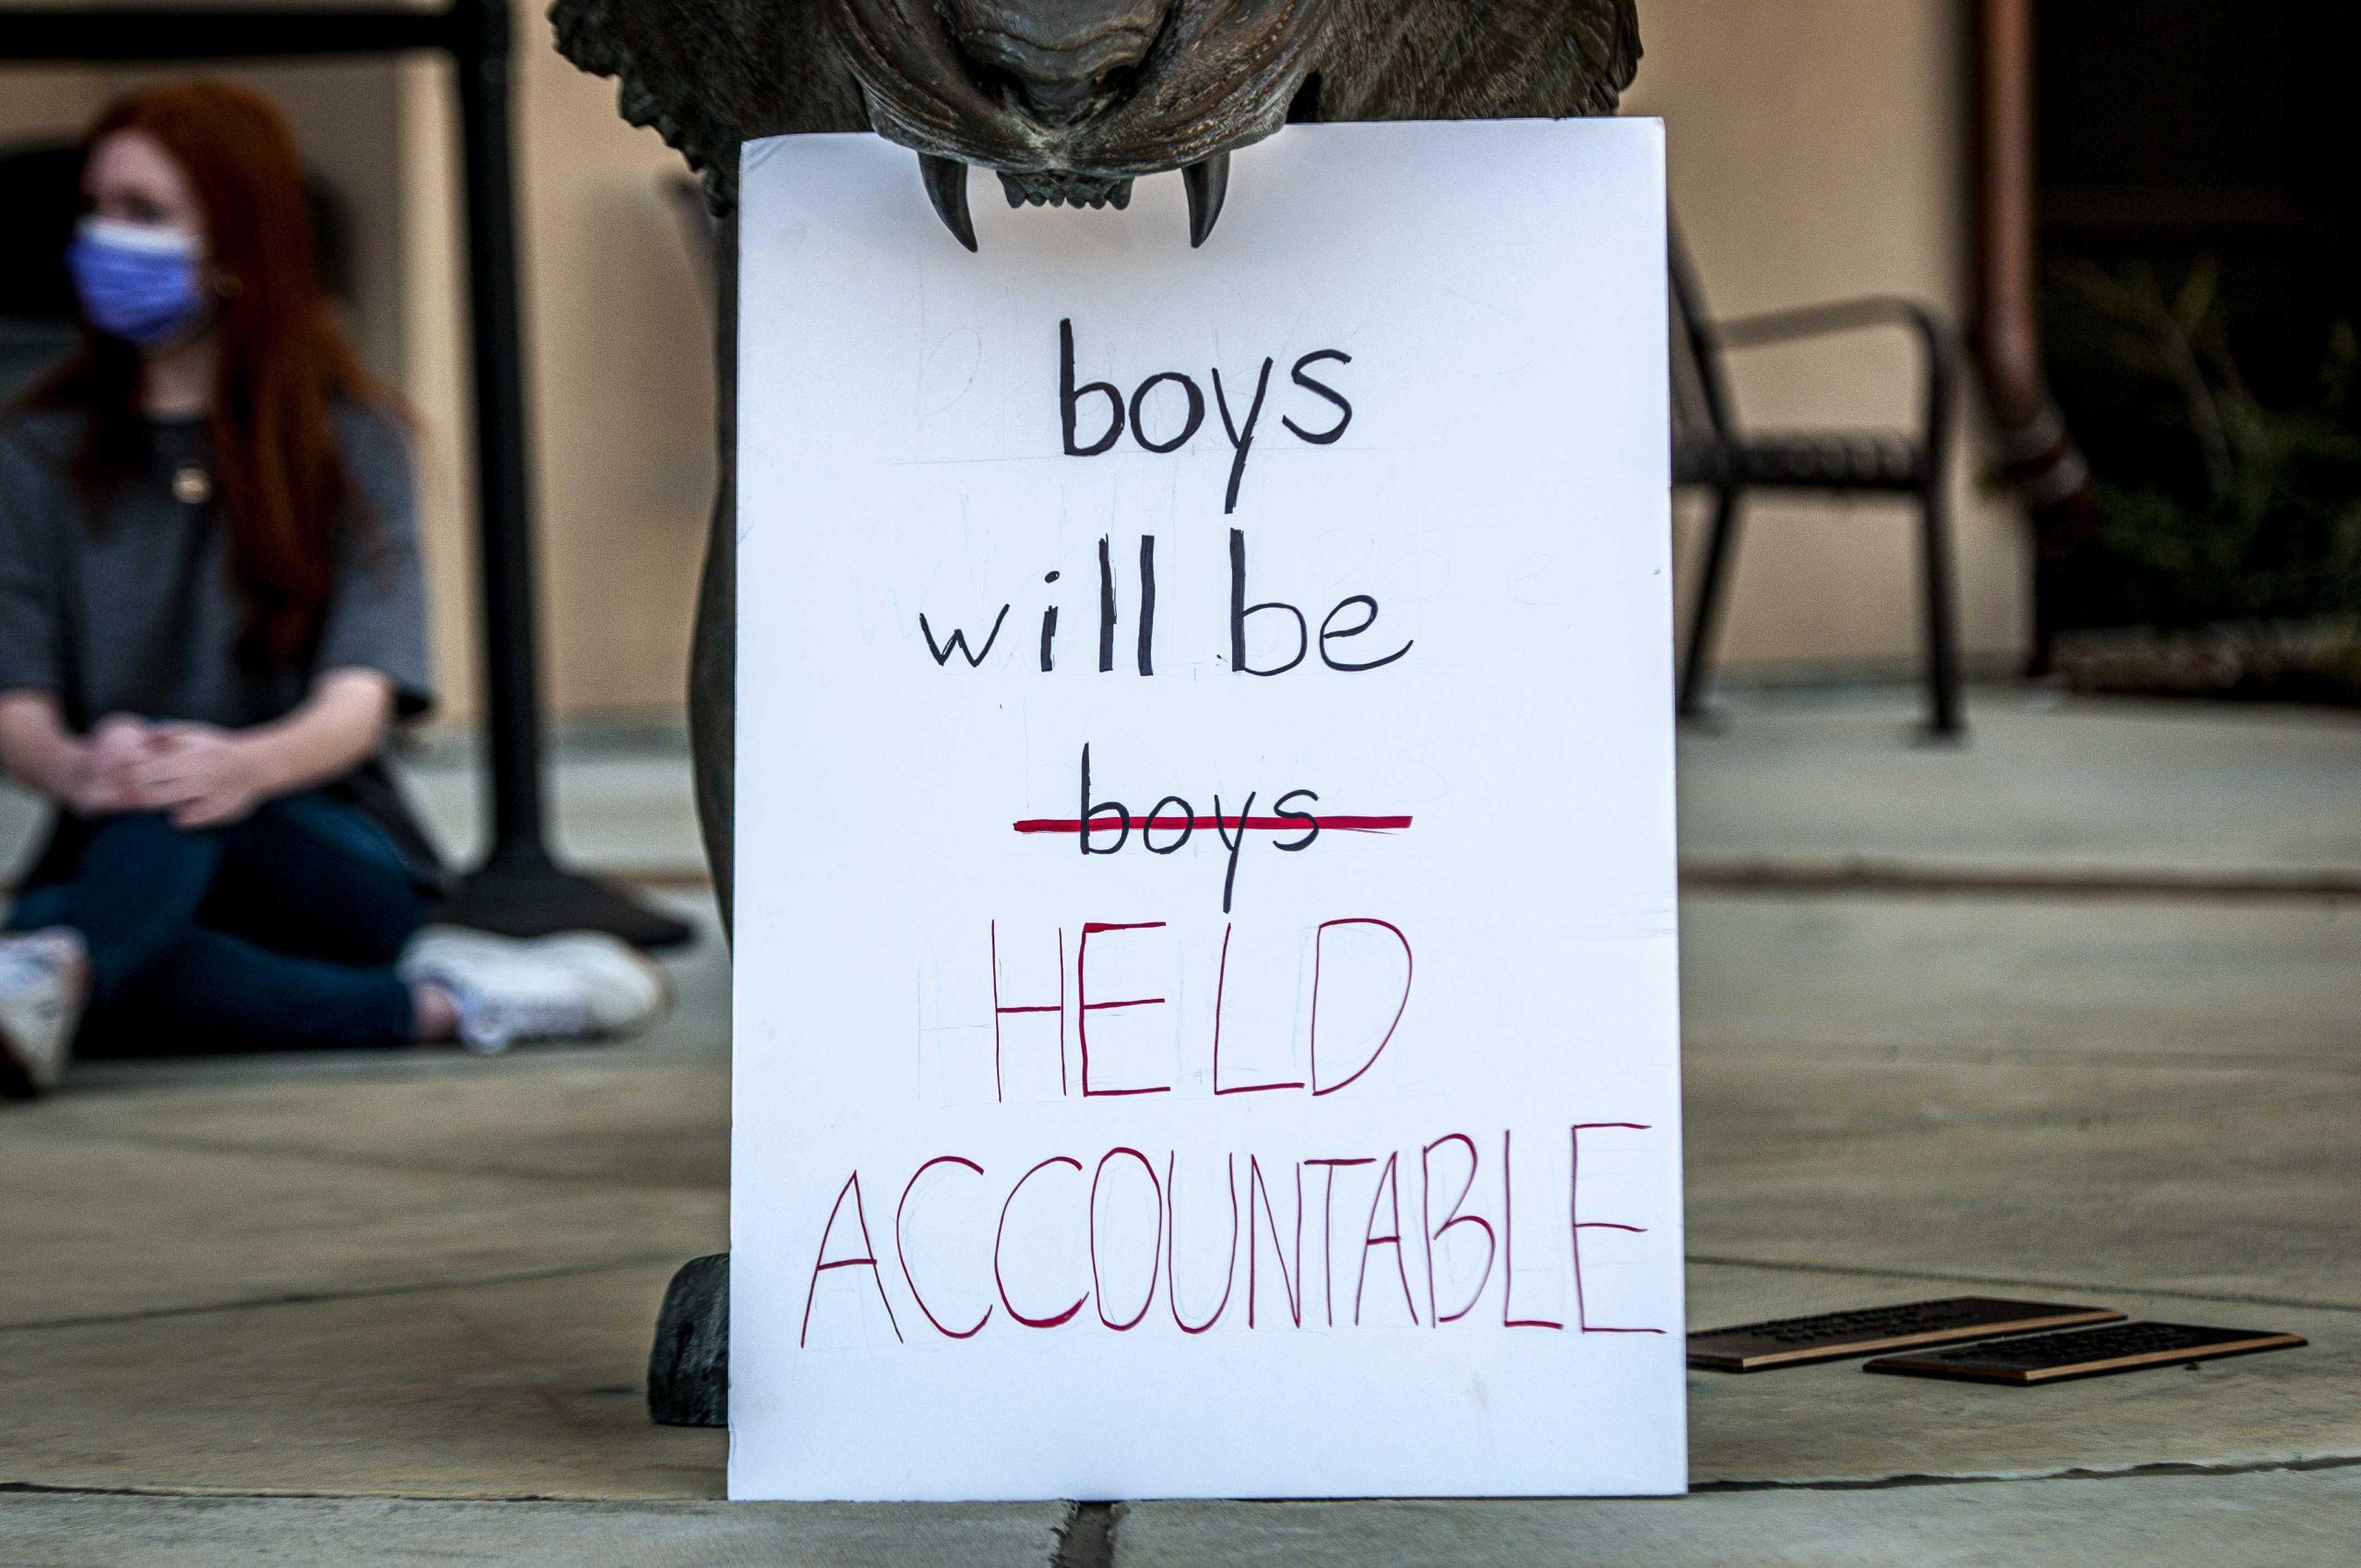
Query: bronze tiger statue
1068, 102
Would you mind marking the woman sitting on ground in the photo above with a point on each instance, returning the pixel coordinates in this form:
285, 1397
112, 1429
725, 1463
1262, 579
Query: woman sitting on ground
210, 615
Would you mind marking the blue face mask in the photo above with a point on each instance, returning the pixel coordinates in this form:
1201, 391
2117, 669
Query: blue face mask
136, 281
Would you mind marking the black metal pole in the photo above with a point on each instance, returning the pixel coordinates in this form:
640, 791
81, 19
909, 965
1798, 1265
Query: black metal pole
519, 888
164, 34
503, 537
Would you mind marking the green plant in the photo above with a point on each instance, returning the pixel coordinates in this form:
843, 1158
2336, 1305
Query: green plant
2215, 506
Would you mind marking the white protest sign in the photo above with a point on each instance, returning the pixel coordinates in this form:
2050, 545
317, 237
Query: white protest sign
1206, 911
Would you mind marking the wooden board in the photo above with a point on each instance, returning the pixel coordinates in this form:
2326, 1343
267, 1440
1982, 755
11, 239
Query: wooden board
2053, 1358
1829, 1336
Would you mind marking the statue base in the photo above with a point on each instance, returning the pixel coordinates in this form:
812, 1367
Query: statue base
688, 1369
530, 894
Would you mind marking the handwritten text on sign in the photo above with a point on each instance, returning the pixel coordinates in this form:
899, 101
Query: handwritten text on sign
1205, 949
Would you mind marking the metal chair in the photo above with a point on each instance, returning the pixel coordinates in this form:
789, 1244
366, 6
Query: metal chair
1713, 451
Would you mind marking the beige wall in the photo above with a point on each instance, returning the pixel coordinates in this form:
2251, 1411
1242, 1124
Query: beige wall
43, 103
1818, 150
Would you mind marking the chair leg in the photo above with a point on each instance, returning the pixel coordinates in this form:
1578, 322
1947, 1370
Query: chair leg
1697, 660
1941, 630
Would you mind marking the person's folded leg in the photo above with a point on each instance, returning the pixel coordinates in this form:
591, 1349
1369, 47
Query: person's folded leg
133, 897
316, 877
217, 991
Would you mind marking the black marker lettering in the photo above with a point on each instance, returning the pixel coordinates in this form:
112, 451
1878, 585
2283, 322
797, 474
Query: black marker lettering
959, 643
1241, 441
1189, 427
1328, 629
1310, 823
1320, 389
1070, 398
1147, 604
1188, 825
1229, 879
1090, 812
1048, 629
1106, 610
1239, 611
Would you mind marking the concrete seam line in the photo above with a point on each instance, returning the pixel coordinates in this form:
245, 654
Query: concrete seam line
1086, 1536
313, 1154
191, 1494
360, 1293
1091, 1514
2163, 1470
1904, 877
2015, 1281
1879, 1053
169, 1079
1851, 876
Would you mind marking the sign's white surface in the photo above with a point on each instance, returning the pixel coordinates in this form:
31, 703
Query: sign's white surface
1206, 912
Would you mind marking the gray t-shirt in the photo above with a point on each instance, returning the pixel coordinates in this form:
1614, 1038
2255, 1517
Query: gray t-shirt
135, 612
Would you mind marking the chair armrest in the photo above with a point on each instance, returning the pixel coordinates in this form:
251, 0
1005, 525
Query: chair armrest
1837, 316
1938, 346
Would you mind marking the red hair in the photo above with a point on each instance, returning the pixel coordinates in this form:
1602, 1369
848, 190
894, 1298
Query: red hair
284, 364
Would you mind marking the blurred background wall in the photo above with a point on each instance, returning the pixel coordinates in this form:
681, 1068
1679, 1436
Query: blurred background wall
1818, 149
1817, 146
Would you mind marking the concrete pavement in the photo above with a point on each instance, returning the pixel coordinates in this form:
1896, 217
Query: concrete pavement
395, 1307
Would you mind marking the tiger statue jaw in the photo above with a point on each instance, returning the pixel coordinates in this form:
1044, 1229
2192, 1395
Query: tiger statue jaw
1069, 101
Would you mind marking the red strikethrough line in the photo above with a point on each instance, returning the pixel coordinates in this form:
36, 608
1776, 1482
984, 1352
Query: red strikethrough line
1169, 823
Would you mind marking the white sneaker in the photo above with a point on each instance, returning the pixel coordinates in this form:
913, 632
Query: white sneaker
570, 986
39, 1010
625, 988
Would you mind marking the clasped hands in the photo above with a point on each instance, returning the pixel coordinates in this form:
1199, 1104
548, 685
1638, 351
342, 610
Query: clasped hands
199, 775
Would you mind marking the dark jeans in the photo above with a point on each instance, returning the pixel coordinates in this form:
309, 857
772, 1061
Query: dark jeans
279, 930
